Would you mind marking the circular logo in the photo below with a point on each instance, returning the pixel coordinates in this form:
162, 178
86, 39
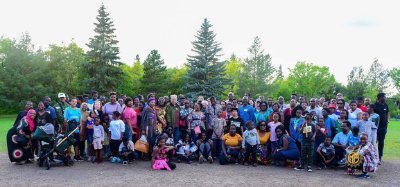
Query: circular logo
18, 153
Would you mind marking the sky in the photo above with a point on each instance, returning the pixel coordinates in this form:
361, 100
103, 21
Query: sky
338, 34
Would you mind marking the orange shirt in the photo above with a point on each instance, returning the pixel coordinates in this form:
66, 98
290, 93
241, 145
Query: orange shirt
232, 140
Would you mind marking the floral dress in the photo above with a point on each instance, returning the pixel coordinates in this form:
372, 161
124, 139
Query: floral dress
197, 120
160, 111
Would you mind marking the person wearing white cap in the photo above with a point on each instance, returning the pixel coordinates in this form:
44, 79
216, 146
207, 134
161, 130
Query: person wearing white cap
60, 107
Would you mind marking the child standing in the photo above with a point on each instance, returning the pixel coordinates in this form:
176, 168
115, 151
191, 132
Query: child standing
89, 131
116, 129
98, 139
365, 126
186, 149
374, 118
219, 125
294, 127
250, 143
307, 131
326, 154
272, 125
106, 143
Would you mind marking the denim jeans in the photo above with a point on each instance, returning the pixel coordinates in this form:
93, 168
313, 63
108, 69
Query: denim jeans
217, 146
231, 152
177, 135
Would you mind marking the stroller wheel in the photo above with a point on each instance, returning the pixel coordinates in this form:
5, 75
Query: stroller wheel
47, 163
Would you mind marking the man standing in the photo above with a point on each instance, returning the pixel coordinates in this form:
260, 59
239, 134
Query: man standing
382, 109
60, 108
91, 101
230, 98
49, 109
172, 117
246, 112
313, 107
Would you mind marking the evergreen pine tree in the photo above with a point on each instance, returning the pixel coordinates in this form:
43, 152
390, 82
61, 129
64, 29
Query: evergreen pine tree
279, 75
205, 74
154, 78
102, 67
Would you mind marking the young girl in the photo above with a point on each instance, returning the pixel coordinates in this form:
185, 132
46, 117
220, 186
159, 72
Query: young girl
186, 149
161, 161
89, 131
272, 125
370, 159
205, 146
106, 143
219, 125
98, 139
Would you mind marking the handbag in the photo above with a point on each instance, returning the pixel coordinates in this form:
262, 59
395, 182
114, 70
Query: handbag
142, 146
197, 130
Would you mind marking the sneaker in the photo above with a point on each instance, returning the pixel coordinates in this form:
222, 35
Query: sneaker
299, 168
189, 162
78, 158
255, 164
246, 164
309, 169
210, 160
201, 159
125, 163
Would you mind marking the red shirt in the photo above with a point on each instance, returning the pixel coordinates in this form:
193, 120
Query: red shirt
362, 108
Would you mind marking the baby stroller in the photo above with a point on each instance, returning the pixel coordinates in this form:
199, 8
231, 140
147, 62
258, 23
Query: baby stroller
51, 142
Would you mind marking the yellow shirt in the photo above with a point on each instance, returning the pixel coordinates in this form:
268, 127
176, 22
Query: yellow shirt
232, 140
264, 139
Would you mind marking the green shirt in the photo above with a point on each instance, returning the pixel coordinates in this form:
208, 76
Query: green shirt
60, 108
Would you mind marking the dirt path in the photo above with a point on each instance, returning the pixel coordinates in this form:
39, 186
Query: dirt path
140, 174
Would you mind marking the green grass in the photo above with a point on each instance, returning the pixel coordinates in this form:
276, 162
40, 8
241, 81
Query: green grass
391, 152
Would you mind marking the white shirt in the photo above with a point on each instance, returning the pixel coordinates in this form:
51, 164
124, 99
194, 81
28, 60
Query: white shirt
130, 146
98, 132
116, 128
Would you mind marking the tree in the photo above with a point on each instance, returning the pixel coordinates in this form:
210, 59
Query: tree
154, 77
23, 73
205, 75
131, 78
258, 72
279, 75
102, 67
378, 76
356, 83
310, 80
395, 75
64, 62
175, 81
232, 72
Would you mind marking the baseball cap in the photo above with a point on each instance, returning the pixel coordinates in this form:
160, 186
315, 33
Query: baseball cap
61, 95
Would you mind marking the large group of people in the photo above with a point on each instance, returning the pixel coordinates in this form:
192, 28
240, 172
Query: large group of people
248, 131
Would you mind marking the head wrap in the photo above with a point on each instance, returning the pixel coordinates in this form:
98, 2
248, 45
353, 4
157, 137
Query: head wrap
150, 99
29, 120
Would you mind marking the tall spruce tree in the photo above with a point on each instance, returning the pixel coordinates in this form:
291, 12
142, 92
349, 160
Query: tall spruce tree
205, 74
102, 67
154, 77
258, 73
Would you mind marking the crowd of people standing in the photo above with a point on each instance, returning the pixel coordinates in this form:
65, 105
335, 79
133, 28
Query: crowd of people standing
305, 133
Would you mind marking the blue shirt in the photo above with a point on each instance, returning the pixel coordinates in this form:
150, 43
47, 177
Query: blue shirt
353, 140
72, 113
342, 138
260, 116
294, 128
52, 112
246, 113
330, 125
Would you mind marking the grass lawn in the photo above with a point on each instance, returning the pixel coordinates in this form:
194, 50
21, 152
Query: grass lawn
391, 152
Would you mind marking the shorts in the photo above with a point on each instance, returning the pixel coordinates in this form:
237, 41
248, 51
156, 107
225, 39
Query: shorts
97, 144
76, 138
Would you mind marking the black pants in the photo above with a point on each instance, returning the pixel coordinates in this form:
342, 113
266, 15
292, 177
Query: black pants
320, 161
381, 140
251, 149
339, 153
114, 146
81, 148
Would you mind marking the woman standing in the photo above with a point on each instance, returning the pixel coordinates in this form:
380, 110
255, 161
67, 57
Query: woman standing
196, 120
149, 121
19, 139
129, 116
264, 135
83, 129
160, 111
354, 113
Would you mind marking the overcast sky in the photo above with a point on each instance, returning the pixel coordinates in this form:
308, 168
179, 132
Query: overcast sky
338, 34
